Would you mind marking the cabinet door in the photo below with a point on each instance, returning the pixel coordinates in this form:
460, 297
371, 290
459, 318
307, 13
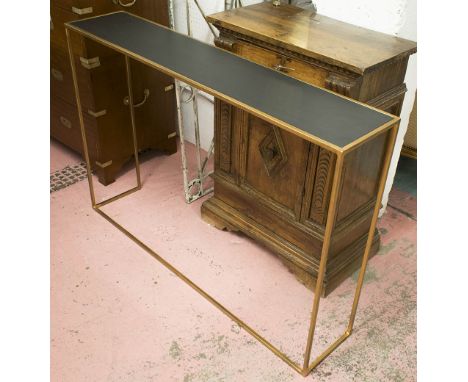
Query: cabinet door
274, 167
155, 114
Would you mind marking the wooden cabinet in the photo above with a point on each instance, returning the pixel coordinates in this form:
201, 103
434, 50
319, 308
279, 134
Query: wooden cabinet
103, 90
275, 187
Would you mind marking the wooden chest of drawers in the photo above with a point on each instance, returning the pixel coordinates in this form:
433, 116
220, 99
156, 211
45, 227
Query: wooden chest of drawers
274, 186
103, 90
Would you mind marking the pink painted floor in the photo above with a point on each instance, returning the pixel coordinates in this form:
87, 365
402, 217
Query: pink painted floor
119, 315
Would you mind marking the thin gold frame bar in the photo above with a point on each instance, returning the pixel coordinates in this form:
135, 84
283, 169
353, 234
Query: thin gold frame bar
391, 128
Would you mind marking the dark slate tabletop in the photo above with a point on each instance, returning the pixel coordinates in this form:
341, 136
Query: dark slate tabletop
316, 112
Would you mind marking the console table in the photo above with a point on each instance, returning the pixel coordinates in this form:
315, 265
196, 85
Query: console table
318, 116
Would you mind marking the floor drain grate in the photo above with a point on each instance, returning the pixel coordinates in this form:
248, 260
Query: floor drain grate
67, 176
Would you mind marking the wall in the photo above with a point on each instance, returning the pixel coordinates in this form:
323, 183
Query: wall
395, 17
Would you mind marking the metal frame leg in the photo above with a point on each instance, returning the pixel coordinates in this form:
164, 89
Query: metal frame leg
388, 157
324, 256
307, 368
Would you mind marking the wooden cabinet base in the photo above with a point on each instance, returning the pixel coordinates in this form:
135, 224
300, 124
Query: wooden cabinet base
107, 173
275, 187
220, 215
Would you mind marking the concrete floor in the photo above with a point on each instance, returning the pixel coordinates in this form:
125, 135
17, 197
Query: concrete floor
118, 315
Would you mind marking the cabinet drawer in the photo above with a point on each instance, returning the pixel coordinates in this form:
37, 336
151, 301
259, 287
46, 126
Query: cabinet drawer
64, 123
61, 80
301, 70
81, 46
101, 87
149, 9
86, 8
65, 126
105, 86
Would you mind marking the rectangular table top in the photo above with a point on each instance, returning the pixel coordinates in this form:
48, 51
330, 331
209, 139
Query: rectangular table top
308, 111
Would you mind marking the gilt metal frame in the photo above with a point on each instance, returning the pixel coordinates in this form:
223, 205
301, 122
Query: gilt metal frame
390, 128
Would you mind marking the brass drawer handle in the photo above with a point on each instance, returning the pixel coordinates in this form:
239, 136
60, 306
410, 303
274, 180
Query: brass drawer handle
57, 74
65, 122
127, 5
282, 68
146, 94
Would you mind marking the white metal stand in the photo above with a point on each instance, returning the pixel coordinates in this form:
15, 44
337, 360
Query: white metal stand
194, 188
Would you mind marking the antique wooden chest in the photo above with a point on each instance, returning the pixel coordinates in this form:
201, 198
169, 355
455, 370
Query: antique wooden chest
101, 76
274, 186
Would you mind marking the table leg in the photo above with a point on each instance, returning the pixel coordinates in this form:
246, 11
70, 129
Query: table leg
332, 209
331, 215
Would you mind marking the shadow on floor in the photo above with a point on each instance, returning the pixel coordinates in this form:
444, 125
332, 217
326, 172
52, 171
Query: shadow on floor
406, 175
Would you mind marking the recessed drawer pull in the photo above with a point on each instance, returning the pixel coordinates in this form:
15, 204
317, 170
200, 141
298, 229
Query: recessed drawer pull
90, 63
82, 11
57, 74
126, 5
65, 122
146, 94
282, 68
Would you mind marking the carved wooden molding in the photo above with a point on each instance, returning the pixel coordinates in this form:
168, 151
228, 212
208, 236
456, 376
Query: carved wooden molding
340, 85
388, 96
223, 116
224, 42
323, 180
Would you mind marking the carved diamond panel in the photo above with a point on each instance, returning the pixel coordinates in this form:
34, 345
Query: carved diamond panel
273, 152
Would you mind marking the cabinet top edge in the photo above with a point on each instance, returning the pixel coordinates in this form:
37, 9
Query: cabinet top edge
319, 37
